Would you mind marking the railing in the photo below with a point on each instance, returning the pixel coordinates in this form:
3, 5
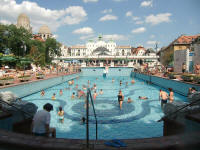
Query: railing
175, 112
89, 95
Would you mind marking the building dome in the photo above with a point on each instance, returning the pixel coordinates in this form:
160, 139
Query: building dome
23, 21
44, 30
23, 18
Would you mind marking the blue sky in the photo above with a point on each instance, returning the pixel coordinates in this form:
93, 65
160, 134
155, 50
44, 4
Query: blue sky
127, 22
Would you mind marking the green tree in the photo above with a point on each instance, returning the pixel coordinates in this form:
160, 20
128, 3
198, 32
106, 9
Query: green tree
4, 35
20, 40
37, 52
52, 48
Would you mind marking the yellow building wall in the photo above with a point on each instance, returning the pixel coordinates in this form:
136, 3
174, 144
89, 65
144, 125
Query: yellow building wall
181, 47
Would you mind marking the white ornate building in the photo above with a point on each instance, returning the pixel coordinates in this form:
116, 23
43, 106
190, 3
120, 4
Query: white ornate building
100, 48
100, 53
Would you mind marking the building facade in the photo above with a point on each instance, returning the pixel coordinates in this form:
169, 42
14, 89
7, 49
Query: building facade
183, 42
100, 53
100, 48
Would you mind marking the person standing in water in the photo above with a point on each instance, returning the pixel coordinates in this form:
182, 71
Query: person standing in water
120, 99
61, 114
164, 97
171, 95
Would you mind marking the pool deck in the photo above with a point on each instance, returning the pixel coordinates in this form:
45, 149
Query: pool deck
34, 79
11, 140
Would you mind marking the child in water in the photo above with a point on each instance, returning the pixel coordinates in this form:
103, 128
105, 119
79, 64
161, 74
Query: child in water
61, 92
42, 93
54, 96
73, 95
61, 114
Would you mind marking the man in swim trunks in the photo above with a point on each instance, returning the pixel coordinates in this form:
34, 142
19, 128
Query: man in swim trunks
164, 97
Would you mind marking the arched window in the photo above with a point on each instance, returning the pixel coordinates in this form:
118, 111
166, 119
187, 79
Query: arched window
123, 53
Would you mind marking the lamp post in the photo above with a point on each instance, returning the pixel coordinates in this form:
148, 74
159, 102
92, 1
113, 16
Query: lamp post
7, 33
24, 51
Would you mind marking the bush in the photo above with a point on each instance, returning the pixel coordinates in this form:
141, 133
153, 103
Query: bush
7, 78
197, 78
25, 76
187, 77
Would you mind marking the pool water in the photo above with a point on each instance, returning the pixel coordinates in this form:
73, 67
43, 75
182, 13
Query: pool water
136, 120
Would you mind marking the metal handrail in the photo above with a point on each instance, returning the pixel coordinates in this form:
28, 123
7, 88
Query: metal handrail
95, 116
175, 112
87, 117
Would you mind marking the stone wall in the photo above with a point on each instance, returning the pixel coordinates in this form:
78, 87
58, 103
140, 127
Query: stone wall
180, 57
197, 54
178, 86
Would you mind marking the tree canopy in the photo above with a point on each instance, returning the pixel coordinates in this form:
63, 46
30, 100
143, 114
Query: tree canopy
20, 43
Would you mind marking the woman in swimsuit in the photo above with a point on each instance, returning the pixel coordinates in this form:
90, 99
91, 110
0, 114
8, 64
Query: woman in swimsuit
120, 98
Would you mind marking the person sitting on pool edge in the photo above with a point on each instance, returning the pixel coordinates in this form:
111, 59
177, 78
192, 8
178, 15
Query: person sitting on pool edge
61, 114
143, 97
41, 122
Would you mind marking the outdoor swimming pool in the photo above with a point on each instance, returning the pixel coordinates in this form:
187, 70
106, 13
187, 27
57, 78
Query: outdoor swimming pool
136, 120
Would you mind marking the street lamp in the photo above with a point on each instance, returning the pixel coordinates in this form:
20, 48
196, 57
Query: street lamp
7, 33
24, 51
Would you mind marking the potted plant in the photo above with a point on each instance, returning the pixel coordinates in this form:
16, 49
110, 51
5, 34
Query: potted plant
24, 78
6, 80
40, 76
197, 78
187, 77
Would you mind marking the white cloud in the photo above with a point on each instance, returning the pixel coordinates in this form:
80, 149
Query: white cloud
115, 37
39, 16
147, 4
5, 22
84, 30
152, 36
105, 11
108, 17
151, 42
87, 1
139, 22
139, 30
135, 18
75, 14
129, 14
86, 37
157, 19
55, 36
119, 0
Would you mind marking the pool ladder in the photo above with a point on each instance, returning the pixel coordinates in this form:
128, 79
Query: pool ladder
89, 96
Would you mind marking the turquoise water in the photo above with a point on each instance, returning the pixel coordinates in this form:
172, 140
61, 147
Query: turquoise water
136, 120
